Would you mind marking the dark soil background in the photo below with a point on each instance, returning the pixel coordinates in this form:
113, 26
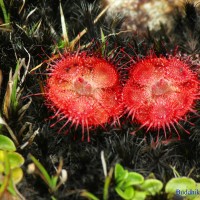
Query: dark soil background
82, 159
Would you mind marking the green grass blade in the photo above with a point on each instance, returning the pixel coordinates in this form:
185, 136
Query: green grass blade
5, 14
89, 195
44, 174
64, 27
103, 42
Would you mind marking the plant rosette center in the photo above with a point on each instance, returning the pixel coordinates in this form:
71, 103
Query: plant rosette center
85, 89
160, 91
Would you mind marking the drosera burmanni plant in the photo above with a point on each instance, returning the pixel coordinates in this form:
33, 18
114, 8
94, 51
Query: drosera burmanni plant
84, 90
160, 92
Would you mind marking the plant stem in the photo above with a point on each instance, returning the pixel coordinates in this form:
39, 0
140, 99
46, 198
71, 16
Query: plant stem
106, 184
89, 195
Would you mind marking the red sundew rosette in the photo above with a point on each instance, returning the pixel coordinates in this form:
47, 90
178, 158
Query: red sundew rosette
160, 92
85, 90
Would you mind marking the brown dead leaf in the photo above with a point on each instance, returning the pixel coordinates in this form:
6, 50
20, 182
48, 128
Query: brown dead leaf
7, 97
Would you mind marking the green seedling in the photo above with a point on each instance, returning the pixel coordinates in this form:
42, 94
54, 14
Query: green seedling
132, 186
125, 181
6, 144
152, 186
184, 187
108, 178
179, 185
129, 185
10, 169
91, 196
53, 182
11, 108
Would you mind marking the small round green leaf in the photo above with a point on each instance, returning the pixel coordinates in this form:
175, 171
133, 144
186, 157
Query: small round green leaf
15, 159
120, 173
180, 184
17, 175
152, 186
133, 179
139, 195
127, 194
6, 143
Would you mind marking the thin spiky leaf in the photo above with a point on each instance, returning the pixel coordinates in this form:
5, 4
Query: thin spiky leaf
64, 26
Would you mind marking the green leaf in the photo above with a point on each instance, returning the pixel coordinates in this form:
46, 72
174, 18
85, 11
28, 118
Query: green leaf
54, 180
6, 144
89, 195
120, 173
64, 26
17, 175
103, 40
182, 183
179, 186
4, 184
15, 159
127, 194
107, 184
53, 198
133, 179
44, 173
152, 186
139, 195
6, 14
11, 188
